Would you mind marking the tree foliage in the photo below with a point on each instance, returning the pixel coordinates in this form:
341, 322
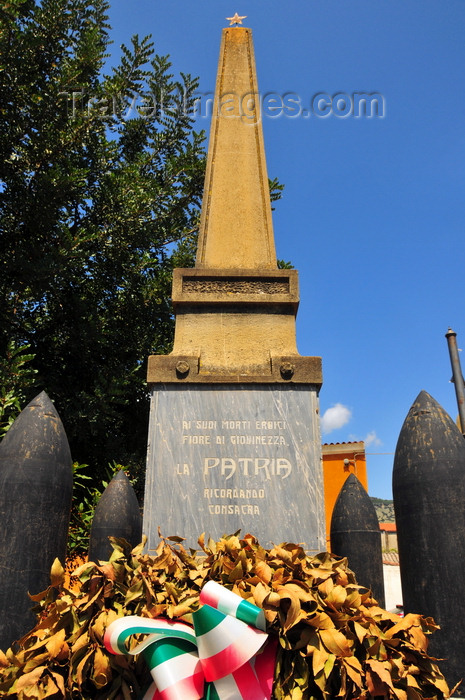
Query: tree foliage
100, 183
16, 376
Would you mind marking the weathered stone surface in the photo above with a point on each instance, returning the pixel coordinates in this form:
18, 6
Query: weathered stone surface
223, 458
428, 485
355, 534
236, 198
36, 482
117, 515
284, 369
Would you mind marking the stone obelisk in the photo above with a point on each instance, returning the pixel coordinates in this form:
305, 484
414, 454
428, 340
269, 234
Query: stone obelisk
234, 437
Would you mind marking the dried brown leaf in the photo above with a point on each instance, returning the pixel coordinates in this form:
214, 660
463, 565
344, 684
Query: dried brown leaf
82, 667
59, 682
319, 658
354, 670
326, 586
55, 644
134, 592
320, 620
293, 614
237, 572
57, 574
360, 631
336, 596
379, 679
260, 592
156, 610
273, 599
354, 599
38, 597
399, 693
3, 660
301, 591
101, 622
84, 568
102, 670
281, 553
335, 642
29, 679
263, 571
184, 608
82, 641
280, 576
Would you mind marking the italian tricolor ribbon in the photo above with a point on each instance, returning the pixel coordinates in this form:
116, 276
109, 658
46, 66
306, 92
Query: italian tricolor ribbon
220, 659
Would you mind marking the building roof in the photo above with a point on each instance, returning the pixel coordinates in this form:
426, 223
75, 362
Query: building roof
391, 558
343, 447
388, 527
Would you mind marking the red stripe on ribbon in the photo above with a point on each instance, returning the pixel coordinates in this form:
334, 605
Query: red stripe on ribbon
248, 683
226, 661
264, 664
187, 687
208, 597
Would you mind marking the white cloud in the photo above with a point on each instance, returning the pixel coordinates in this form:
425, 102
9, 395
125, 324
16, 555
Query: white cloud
372, 439
335, 417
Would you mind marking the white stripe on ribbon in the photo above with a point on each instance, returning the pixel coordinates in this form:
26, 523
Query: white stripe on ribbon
227, 602
114, 630
227, 689
220, 637
141, 625
176, 669
220, 598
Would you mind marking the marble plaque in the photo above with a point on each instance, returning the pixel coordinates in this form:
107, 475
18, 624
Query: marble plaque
223, 458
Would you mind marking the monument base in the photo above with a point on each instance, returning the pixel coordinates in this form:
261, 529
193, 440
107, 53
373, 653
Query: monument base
223, 458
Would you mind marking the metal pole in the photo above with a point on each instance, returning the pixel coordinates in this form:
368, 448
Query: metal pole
457, 376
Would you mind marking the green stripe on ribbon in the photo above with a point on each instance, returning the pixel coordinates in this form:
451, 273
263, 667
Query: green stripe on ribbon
211, 692
166, 649
248, 612
124, 634
205, 619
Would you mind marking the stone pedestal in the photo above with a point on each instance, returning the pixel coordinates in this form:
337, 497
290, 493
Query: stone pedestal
223, 458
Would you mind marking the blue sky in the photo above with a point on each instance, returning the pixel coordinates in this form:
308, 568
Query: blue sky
373, 212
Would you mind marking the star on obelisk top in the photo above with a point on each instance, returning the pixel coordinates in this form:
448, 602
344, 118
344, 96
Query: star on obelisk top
236, 19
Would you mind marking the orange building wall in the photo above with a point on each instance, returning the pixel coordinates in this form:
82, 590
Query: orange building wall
335, 472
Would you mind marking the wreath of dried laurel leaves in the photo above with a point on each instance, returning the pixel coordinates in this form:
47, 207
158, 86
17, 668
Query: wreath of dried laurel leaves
335, 642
